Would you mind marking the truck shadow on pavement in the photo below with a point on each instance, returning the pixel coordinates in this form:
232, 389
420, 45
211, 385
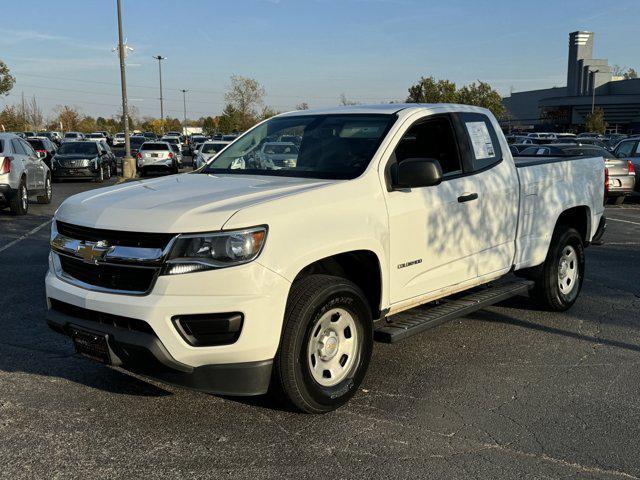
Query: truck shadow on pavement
521, 302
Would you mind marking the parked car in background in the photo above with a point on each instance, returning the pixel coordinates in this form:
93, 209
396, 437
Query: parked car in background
96, 136
72, 137
279, 154
177, 151
135, 143
150, 135
22, 175
207, 151
28, 134
55, 137
194, 140
82, 159
542, 136
629, 149
44, 148
229, 138
591, 141
118, 139
156, 156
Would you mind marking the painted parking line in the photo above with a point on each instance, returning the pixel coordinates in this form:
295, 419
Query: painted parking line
623, 221
26, 235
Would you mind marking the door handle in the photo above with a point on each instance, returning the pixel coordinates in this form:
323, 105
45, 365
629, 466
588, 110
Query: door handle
467, 198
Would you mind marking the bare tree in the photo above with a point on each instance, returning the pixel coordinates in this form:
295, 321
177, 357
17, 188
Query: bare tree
33, 113
345, 101
302, 106
245, 96
618, 70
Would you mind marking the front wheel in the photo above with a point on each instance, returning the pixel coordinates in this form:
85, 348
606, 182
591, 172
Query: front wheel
559, 281
100, 177
19, 204
326, 343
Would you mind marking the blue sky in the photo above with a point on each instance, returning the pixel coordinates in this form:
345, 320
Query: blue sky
300, 50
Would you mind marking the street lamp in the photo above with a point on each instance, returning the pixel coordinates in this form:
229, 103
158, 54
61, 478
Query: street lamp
184, 105
160, 58
128, 164
593, 90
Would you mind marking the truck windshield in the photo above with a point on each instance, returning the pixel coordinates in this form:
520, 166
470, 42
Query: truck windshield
332, 147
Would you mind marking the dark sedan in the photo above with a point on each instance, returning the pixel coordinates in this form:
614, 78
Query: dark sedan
82, 159
44, 147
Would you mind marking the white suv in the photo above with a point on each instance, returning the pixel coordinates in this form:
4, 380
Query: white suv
22, 174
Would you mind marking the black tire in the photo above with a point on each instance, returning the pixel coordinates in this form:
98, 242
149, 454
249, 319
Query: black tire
547, 291
100, 177
176, 169
108, 175
618, 200
311, 299
17, 205
48, 192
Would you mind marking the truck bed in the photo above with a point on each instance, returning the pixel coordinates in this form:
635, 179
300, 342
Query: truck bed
550, 185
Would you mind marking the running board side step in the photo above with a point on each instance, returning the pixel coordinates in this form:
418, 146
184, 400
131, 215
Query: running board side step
411, 322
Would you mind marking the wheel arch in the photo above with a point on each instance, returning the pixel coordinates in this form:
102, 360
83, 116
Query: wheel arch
578, 217
362, 267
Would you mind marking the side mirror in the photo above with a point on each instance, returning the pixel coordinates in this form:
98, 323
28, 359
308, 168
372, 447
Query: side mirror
415, 173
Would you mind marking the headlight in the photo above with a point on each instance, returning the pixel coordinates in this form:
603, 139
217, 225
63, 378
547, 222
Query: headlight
192, 253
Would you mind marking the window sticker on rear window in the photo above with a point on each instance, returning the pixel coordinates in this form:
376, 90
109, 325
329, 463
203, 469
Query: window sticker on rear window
481, 140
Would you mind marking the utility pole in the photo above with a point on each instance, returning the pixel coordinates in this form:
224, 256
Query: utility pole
128, 164
23, 114
160, 58
184, 106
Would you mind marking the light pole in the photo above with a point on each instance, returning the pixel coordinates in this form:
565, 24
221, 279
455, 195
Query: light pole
128, 164
160, 58
184, 106
593, 91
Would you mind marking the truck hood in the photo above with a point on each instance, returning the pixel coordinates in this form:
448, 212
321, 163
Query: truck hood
177, 203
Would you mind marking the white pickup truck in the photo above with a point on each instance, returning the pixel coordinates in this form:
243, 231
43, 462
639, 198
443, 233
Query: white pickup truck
241, 278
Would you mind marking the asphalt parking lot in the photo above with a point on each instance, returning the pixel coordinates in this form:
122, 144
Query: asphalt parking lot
509, 392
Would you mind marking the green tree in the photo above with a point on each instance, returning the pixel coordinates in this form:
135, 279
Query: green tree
231, 120
208, 125
68, 116
428, 90
10, 118
595, 121
7, 81
482, 95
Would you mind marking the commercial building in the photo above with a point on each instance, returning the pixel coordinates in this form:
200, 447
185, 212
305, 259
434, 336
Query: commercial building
590, 84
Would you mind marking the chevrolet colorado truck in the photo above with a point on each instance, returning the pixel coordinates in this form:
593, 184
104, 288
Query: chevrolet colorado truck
245, 277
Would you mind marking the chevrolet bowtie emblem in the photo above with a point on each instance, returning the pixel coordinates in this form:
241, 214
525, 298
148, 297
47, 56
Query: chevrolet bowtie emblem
91, 252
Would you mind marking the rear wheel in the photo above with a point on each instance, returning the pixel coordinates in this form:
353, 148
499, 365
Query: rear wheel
618, 200
48, 192
326, 344
19, 204
100, 177
559, 281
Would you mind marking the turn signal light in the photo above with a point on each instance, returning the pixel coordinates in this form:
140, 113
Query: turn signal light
5, 165
139, 156
170, 155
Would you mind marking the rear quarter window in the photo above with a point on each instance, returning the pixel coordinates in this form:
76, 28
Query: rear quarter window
484, 144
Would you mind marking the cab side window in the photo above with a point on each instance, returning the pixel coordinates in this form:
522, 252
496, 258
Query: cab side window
435, 139
484, 145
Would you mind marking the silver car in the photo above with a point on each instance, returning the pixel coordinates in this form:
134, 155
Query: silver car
23, 174
207, 151
629, 149
157, 156
72, 137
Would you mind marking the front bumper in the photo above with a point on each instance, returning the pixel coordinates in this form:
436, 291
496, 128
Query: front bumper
143, 353
252, 290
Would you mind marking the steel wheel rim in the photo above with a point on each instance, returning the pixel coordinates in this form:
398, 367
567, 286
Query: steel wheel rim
333, 348
24, 197
568, 272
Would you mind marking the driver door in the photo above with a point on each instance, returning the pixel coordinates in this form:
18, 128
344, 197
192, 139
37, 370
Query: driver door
432, 240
